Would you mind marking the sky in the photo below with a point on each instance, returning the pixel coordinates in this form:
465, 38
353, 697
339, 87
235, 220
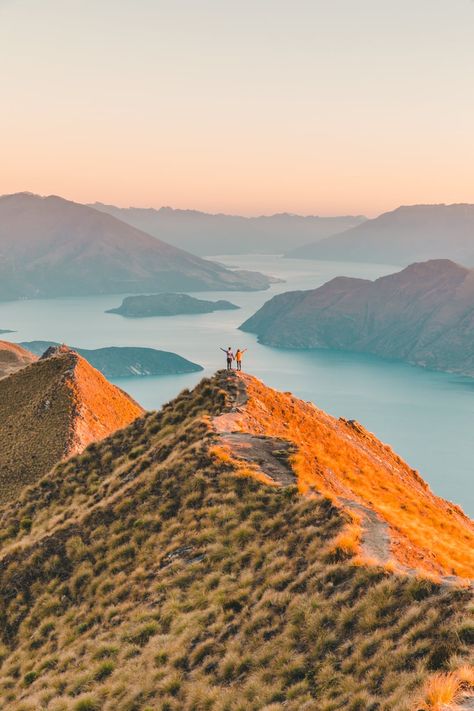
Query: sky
249, 107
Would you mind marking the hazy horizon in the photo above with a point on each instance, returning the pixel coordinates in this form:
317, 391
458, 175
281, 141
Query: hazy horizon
310, 108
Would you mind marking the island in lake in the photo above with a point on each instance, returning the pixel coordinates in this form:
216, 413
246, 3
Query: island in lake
123, 362
168, 305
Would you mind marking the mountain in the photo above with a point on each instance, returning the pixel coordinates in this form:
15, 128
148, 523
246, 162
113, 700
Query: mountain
408, 234
51, 409
125, 361
13, 357
168, 305
203, 233
423, 314
53, 247
231, 551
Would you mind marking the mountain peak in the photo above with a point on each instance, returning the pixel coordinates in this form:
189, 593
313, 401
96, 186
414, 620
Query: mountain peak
53, 409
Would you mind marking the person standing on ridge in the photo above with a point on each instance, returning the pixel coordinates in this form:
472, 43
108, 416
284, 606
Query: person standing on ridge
238, 357
229, 357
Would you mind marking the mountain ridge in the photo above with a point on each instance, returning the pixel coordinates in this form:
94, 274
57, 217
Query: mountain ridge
52, 409
50, 246
203, 233
407, 234
158, 569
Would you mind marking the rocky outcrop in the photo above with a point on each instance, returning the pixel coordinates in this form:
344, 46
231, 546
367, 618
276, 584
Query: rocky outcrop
168, 305
423, 315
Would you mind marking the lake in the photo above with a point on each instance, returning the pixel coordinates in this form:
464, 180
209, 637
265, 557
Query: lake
426, 416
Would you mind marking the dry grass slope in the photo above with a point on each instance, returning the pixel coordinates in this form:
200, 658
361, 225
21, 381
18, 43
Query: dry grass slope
51, 409
341, 458
13, 357
149, 577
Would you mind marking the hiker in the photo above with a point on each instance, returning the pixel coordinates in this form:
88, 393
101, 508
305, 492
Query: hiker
238, 357
229, 357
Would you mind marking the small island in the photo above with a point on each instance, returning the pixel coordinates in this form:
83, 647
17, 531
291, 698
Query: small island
124, 362
6, 330
168, 305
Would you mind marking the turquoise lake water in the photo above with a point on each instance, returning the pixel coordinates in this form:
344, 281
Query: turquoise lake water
426, 416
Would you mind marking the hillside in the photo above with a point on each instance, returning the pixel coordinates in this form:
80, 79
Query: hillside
52, 409
203, 233
408, 234
214, 555
53, 247
423, 315
168, 305
126, 361
13, 357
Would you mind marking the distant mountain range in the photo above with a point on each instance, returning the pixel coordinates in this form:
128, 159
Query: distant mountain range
423, 314
125, 361
52, 409
207, 234
168, 305
54, 247
405, 235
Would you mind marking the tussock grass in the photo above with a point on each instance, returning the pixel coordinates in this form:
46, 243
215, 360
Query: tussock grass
167, 582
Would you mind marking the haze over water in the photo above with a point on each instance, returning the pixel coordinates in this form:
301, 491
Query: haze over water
426, 416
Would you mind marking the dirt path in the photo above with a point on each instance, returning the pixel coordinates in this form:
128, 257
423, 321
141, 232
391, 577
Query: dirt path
375, 543
272, 457
270, 454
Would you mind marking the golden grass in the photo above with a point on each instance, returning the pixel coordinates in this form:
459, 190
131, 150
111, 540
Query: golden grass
446, 690
339, 458
164, 582
52, 409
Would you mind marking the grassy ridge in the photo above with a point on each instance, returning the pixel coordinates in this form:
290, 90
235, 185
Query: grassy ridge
145, 575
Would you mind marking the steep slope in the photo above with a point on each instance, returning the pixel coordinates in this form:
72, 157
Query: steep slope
408, 234
423, 314
204, 234
126, 361
13, 357
52, 247
168, 305
52, 409
167, 568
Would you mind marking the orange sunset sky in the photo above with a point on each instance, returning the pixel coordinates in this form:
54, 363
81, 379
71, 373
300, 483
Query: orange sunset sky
250, 107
